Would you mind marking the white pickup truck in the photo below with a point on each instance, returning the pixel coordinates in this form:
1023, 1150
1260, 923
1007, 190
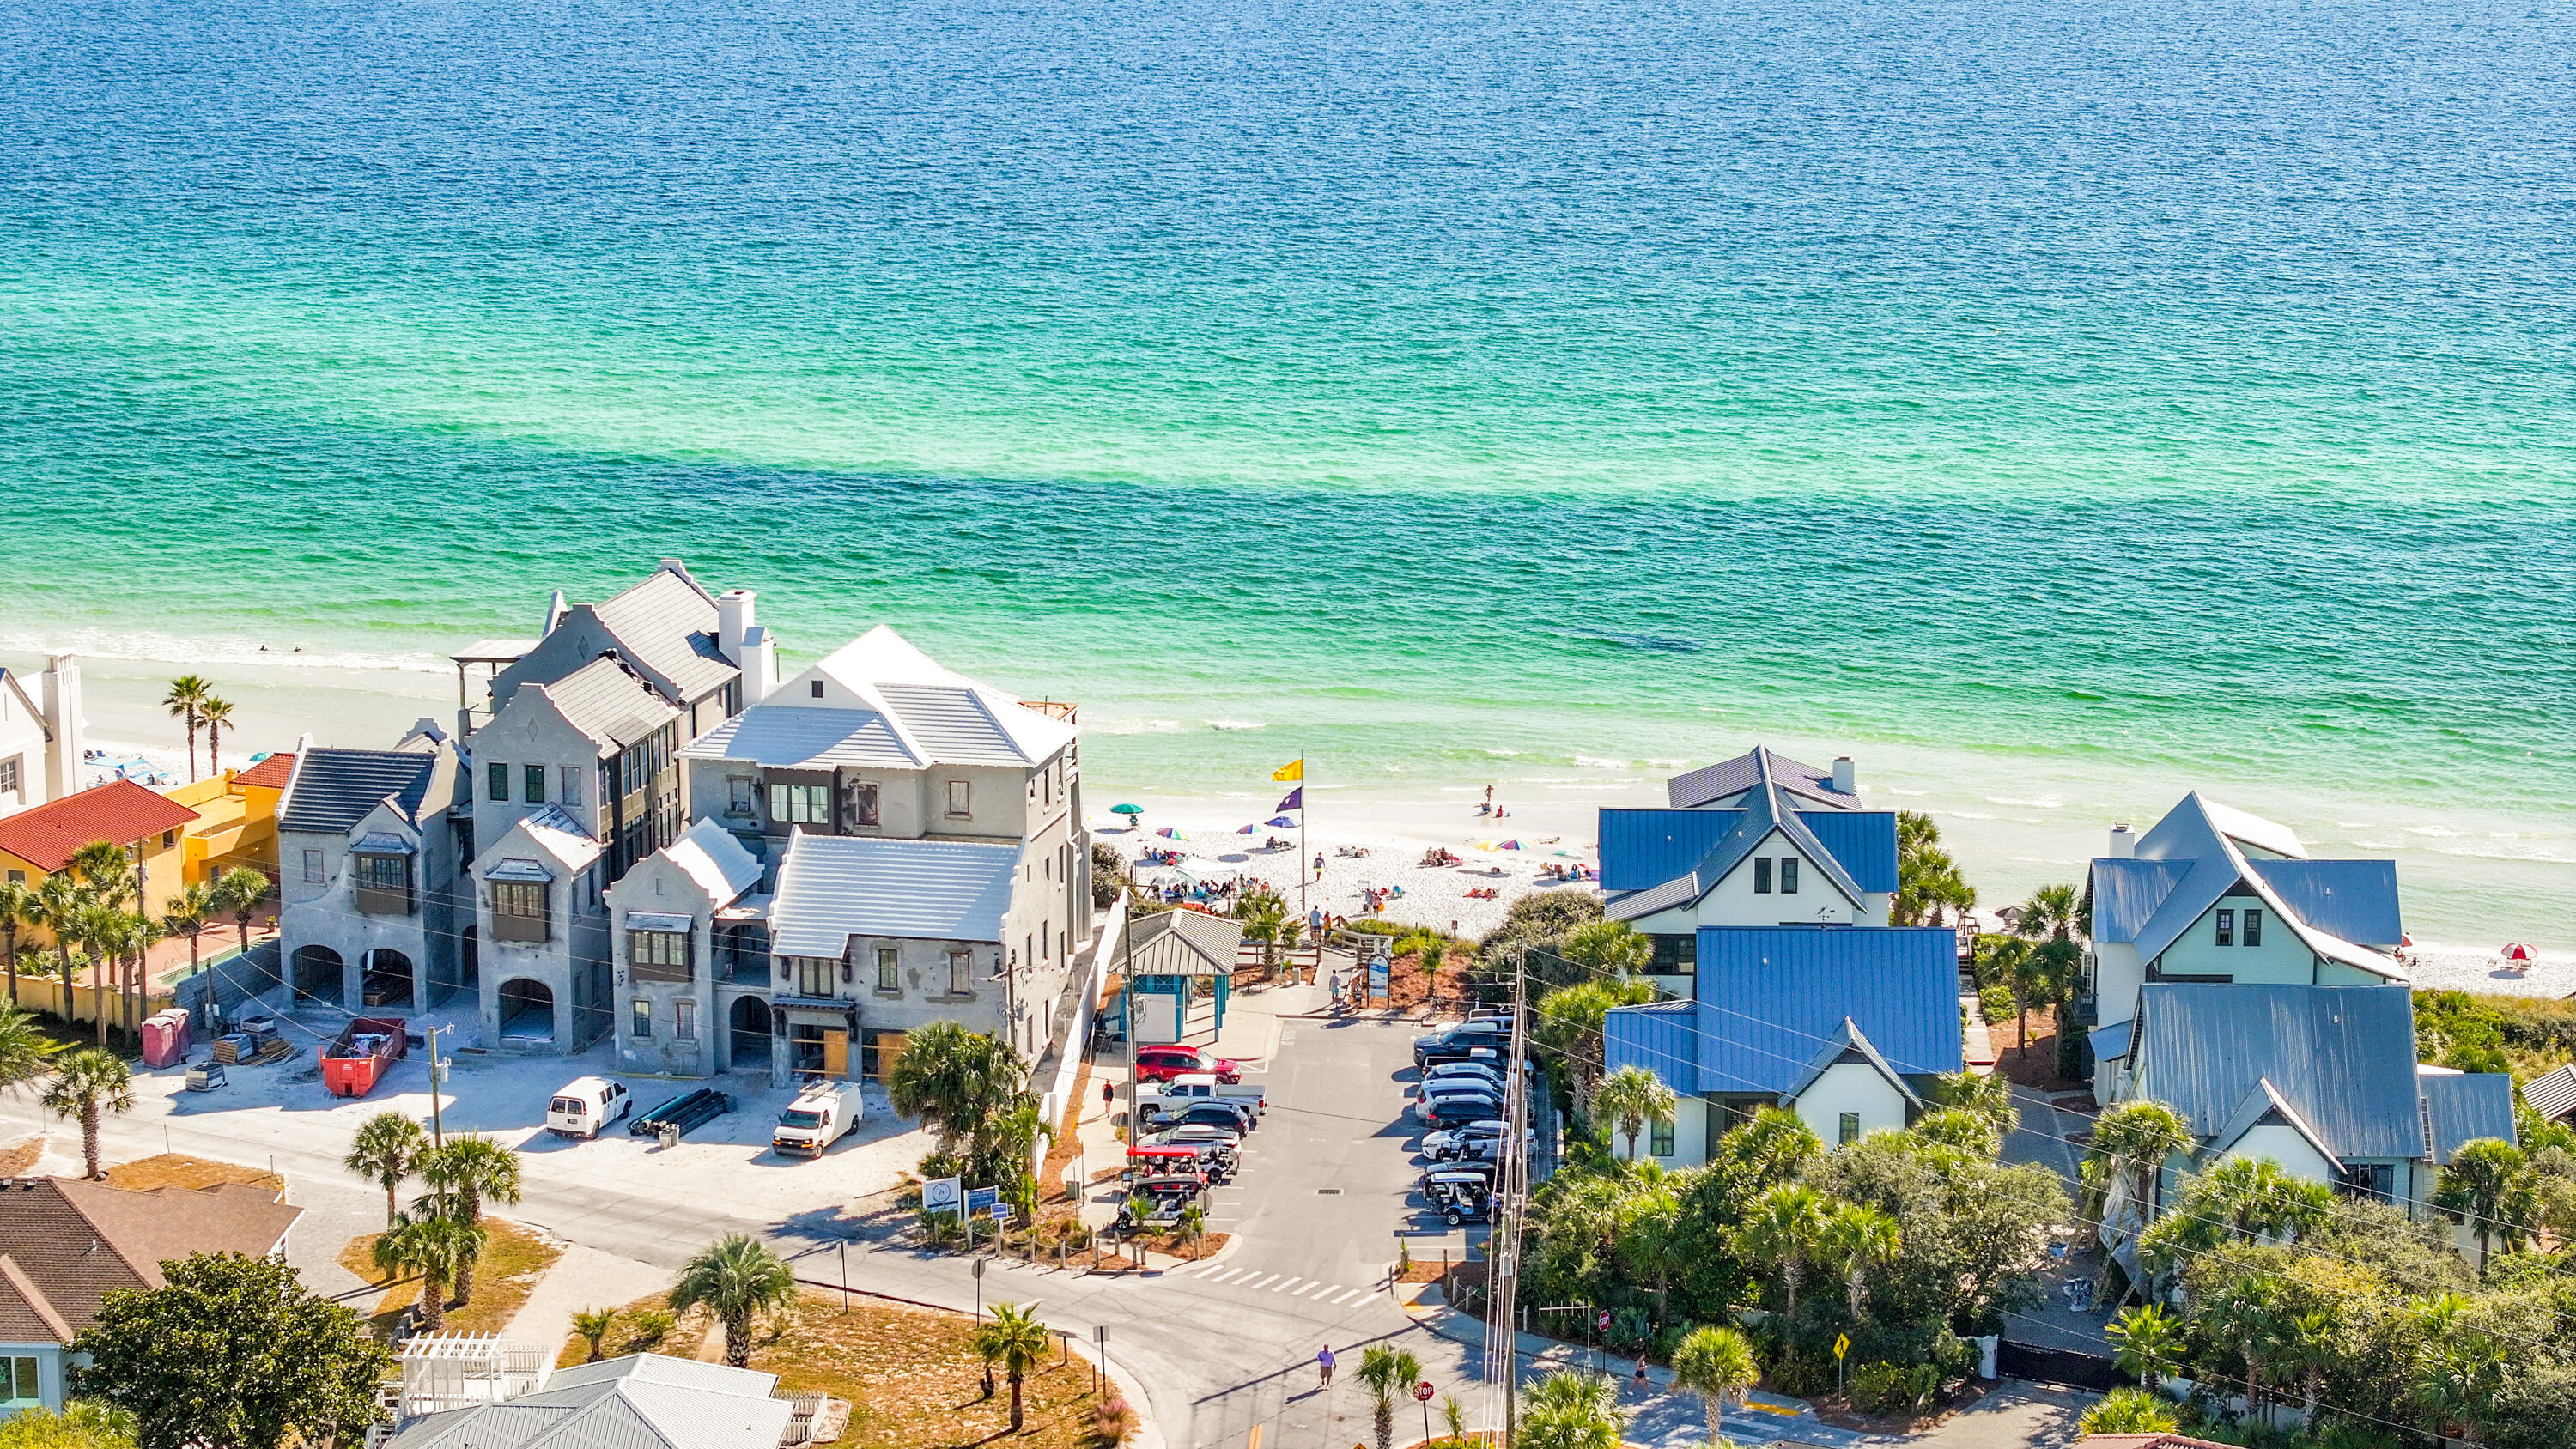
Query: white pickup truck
821, 1115
1177, 1094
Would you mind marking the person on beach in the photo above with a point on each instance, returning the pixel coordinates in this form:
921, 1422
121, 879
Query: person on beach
1324, 1361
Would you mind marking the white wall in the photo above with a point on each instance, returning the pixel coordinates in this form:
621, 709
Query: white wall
2282, 958
2117, 975
1690, 1136
1851, 1087
1734, 903
2282, 1145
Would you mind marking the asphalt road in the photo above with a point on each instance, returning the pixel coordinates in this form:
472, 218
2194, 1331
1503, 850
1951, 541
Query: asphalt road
1215, 1348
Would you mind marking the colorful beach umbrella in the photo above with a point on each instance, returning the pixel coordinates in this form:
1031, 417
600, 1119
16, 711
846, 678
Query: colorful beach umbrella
1126, 809
1282, 822
1249, 830
1168, 833
2516, 951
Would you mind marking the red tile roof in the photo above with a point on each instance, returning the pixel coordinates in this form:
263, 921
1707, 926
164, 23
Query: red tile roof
271, 773
120, 812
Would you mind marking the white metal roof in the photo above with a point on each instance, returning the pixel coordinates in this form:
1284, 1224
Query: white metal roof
833, 887
785, 737
710, 855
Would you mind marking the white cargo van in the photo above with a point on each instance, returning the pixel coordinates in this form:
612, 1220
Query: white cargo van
821, 1115
586, 1105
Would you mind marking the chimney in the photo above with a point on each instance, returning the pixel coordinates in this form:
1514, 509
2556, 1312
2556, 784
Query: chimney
734, 615
555, 611
62, 706
1846, 776
2124, 842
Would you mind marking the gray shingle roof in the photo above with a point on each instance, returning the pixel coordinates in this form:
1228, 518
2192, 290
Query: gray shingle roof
833, 887
335, 789
2464, 1108
2343, 1056
608, 702
669, 623
797, 738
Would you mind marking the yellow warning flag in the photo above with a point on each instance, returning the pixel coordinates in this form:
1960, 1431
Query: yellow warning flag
1293, 770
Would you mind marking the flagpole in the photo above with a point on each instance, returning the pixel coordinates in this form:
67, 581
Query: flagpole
1301, 832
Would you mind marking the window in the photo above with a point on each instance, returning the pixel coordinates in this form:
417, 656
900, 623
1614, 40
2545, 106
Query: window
535, 789
1788, 875
961, 974
2253, 928
169, 838
814, 975
849, 969
800, 804
658, 955
9, 776
863, 804
741, 791
2227, 928
17, 877
1675, 956
889, 969
1661, 1143
499, 775
1046, 940
818, 689
312, 867
686, 1028
958, 802
1762, 875
1850, 1129
383, 883
519, 910
21, 1381
572, 784
643, 1029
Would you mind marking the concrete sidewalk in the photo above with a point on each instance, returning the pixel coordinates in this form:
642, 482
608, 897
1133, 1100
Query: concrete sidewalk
583, 1278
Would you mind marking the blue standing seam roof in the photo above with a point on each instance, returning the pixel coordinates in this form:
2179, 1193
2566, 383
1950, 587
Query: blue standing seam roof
2354, 899
1641, 849
1770, 997
1863, 840
2344, 1056
2465, 1108
2126, 893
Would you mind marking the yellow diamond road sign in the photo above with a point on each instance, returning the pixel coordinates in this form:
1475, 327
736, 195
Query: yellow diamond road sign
1842, 1344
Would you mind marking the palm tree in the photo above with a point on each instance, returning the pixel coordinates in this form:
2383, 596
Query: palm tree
87, 1085
1781, 1229
1632, 1097
18, 907
2314, 1344
126, 938
594, 1325
735, 1278
433, 1245
59, 904
1570, 1023
1608, 950
1571, 1411
1716, 1363
1856, 1239
1013, 1338
2135, 1138
2127, 1411
217, 716
108, 870
1770, 1149
238, 893
1387, 1372
474, 1170
24, 1051
955, 1080
2049, 914
1988, 1095
2147, 1342
185, 701
2486, 1186
1927, 878
191, 911
388, 1148
2457, 1372
2246, 1316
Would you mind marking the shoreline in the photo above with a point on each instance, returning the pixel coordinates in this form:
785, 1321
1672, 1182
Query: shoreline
2013, 823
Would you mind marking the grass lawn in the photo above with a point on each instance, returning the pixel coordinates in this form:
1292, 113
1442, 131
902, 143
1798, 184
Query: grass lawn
172, 1169
683, 1341
512, 1262
913, 1382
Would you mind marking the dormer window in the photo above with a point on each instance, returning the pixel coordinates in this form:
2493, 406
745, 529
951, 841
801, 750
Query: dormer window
521, 910
657, 946
382, 877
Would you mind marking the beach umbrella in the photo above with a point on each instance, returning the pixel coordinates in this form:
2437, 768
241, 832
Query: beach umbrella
1281, 822
1168, 833
1510, 845
1249, 830
2517, 952
1126, 809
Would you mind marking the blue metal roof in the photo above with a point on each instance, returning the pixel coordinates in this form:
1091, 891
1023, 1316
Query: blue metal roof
2463, 1109
1644, 848
2344, 1056
1771, 996
1863, 840
2126, 894
2354, 899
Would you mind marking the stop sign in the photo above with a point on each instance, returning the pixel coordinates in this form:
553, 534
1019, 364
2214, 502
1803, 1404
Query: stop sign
1422, 1391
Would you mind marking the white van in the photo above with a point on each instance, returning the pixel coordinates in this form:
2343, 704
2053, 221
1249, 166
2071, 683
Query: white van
585, 1106
821, 1115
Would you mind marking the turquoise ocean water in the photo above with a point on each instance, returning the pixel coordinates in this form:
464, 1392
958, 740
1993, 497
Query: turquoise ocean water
2177, 393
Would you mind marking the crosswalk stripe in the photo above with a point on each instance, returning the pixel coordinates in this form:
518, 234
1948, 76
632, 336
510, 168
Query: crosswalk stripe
1327, 1293
1266, 1282
1230, 1273
1291, 1283
1210, 1268
1353, 1294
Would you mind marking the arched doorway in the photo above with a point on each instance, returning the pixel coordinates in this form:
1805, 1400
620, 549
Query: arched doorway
387, 980
527, 1011
747, 1044
317, 974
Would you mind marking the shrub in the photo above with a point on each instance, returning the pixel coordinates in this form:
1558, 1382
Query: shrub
1112, 1420
1995, 1003
646, 1330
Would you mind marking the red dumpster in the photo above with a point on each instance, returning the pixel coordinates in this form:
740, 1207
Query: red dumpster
356, 1061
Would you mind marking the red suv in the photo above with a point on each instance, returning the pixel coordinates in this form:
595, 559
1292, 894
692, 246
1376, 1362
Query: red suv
1162, 1063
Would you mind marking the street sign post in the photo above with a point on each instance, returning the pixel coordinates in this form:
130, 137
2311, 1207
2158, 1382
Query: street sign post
1842, 1345
1422, 1396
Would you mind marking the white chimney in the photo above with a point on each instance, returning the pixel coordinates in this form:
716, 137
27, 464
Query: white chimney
2124, 842
555, 611
1846, 776
734, 618
62, 705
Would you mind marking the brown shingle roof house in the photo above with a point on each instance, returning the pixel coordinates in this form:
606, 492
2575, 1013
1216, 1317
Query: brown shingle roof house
65, 1244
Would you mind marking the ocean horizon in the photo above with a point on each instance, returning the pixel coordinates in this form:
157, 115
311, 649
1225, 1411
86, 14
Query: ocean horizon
2055, 407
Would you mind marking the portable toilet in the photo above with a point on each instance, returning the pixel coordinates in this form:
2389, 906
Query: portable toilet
165, 1037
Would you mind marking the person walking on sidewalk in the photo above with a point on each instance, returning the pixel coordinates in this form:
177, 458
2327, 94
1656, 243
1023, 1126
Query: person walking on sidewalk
1324, 1361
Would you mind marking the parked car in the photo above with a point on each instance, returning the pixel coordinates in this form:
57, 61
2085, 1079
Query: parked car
585, 1105
1457, 1044
1438, 1188
1213, 1158
1485, 1101
1196, 1132
1455, 1111
1195, 1086
1476, 1139
1469, 1071
1162, 1063
1232, 1115
1467, 1208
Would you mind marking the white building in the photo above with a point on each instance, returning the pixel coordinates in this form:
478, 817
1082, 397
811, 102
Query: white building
40, 734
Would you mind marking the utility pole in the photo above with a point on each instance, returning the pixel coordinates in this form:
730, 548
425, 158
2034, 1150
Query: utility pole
437, 1080
1503, 1242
